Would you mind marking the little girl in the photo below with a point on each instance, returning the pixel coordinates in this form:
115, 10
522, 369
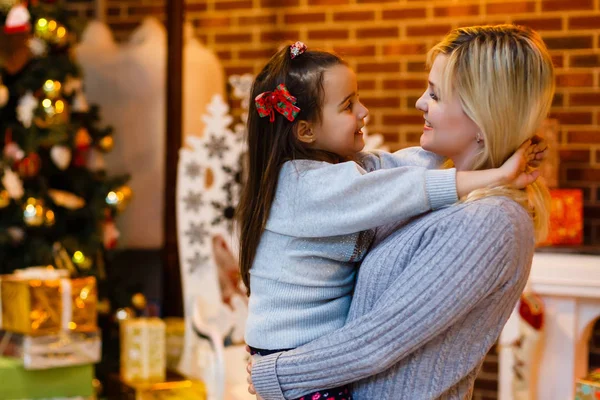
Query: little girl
312, 199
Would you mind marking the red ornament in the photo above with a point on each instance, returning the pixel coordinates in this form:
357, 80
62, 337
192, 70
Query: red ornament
29, 166
531, 310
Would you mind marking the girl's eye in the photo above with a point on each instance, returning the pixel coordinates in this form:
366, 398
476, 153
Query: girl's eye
349, 106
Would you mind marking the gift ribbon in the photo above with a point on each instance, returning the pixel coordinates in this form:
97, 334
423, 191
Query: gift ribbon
45, 274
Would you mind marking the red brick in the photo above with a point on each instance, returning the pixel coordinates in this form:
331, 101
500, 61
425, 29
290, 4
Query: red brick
584, 22
378, 67
456, 11
211, 22
565, 5
558, 100
399, 49
572, 118
324, 34
304, 18
574, 156
584, 174
558, 60
403, 119
365, 33
569, 42
428, 30
258, 20
355, 51
541, 24
223, 38
279, 3
327, 2
233, 5
592, 211
354, 16
416, 67
585, 61
366, 84
389, 102
574, 80
224, 55
585, 99
124, 26
193, 7
585, 137
376, 1
113, 11
404, 13
396, 84
279, 36
254, 54
510, 8
146, 10
411, 101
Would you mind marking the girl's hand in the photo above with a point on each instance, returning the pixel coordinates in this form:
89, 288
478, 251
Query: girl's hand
515, 172
251, 360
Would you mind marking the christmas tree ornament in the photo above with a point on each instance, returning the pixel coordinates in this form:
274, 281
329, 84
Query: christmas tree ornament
25, 109
83, 139
65, 199
139, 301
103, 306
72, 85
124, 314
95, 161
17, 20
4, 199
4, 95
80, 103
61, 156
110, 233
13, 184
98, 388
120, 197
106, 144
13, 152
62, 260
38, 47
29, 166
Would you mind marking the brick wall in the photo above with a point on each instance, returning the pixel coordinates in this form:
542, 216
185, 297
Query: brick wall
385, 41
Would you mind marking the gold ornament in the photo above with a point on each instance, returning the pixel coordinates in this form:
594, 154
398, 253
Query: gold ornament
103, 306
4, 199
35, 214
119, 197
66, 199
124, 314
139, 301
106, 144
82, 138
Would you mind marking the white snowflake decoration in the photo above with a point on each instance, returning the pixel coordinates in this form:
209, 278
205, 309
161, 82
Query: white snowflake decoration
27, 105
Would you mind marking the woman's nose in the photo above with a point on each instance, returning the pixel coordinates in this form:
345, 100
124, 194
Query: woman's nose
421, 103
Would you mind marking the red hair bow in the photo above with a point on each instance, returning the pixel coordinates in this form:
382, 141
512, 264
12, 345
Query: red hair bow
281, 100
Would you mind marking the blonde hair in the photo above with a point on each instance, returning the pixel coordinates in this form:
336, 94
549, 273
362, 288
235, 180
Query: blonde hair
504, 78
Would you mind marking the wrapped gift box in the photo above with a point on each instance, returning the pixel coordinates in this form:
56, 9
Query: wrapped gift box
566, 218
143, 350
176, 387
588, 388
51, 351
18, 383
40, 301
175, 335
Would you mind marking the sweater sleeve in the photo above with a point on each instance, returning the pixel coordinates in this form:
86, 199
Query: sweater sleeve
410, 156
317, 199
477, 248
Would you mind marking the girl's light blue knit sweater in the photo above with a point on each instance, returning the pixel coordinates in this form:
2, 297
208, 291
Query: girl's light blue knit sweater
319, 226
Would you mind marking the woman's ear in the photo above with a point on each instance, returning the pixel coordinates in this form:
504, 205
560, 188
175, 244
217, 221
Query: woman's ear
304, 132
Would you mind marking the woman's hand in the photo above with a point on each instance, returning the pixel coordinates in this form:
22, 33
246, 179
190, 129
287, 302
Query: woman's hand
540, 151
515, 171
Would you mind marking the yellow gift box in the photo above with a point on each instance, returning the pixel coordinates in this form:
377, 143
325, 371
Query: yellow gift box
175, 340
41, 301
176, 387
143, 350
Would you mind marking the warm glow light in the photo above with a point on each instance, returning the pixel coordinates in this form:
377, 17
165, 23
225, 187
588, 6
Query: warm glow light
112, 198
42, 22
47, 103
78, 257
49, 86
60, 106
61, 32
29, 211
52, 25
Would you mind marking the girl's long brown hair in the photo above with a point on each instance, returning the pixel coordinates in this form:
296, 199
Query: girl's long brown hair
272, 144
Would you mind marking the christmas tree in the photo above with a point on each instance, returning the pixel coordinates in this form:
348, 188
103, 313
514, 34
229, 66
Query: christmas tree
57, 204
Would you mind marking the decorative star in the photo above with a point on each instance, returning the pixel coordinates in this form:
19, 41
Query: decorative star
193, 170
216, 147
196, 262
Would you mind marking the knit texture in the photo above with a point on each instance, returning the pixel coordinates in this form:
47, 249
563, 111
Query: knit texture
430, 301
319, 227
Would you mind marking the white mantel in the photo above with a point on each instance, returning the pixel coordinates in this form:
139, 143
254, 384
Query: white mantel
569, 285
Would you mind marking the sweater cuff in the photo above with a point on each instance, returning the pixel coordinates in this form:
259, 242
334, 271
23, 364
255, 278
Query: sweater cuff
441, 187
264, 377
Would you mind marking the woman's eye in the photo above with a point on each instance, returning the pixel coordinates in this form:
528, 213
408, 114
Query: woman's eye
433, 96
